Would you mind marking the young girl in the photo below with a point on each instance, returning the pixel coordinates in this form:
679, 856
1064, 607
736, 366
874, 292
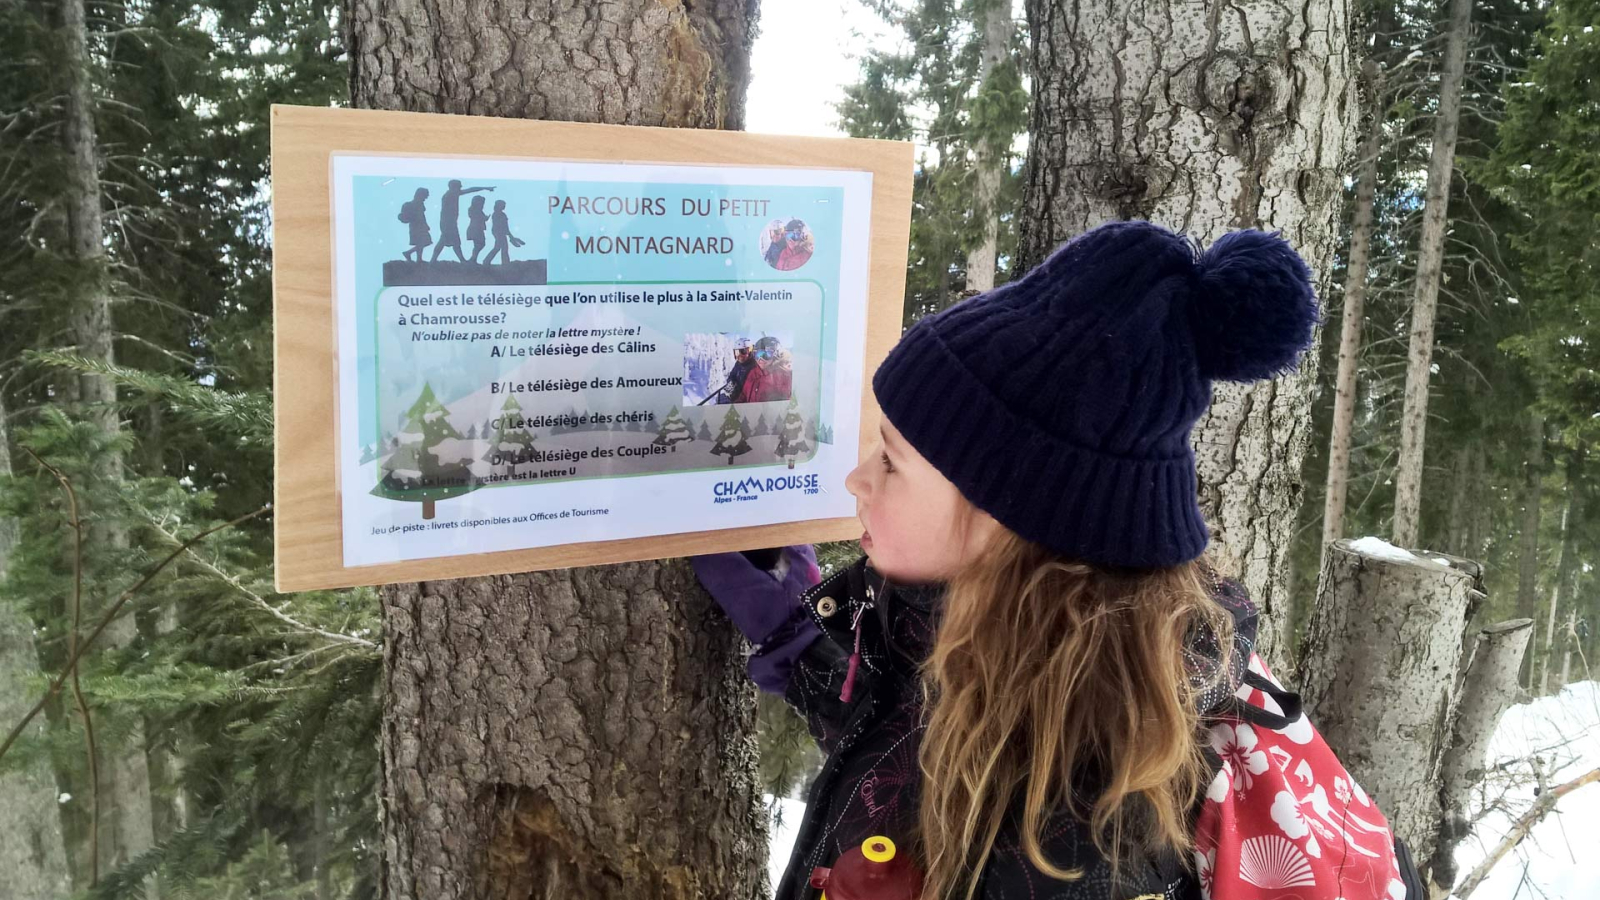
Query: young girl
477, 219
1017, 684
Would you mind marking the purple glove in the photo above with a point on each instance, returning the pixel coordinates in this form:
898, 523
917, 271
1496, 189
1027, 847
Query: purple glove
758, 601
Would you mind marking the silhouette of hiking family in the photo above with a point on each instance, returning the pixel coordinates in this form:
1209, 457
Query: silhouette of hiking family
415, 214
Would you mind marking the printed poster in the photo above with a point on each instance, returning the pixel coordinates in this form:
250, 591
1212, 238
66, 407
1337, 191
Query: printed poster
534, 353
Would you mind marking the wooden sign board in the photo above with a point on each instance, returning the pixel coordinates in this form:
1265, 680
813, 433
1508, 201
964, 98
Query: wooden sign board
506, 345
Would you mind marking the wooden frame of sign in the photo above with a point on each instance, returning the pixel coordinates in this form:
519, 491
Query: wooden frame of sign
307, 506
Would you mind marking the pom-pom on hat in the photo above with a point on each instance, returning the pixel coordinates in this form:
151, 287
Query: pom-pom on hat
1061, 403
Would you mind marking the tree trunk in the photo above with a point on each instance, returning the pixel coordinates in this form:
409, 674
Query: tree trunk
1488, 687
630, 62
1177, 114
583, 733
991, 159
1528, 552
1464, 496
169, 801
32, 853
1566, 653
1378, 671
1430, 256
1355, 296
1565, 569
125, 828
1479, 521
1467, 525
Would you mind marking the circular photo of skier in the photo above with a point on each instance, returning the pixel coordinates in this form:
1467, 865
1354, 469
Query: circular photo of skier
786, 244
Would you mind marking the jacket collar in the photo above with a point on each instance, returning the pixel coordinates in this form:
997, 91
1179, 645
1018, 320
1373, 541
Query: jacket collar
924, 597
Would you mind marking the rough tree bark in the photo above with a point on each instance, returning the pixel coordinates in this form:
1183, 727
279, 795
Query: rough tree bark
584, 733
1488, 687
1205, 118
1425, 301
32, 853
1378, 670
126, 828
991, 160
1355, 297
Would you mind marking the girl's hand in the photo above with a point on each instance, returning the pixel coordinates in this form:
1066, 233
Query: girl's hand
757, 599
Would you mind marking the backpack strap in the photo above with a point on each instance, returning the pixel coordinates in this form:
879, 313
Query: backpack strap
1408, 871
1288, 701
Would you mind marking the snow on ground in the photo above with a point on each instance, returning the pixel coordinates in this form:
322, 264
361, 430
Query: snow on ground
1557, 860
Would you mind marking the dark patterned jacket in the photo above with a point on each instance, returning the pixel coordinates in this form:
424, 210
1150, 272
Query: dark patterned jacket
871, 780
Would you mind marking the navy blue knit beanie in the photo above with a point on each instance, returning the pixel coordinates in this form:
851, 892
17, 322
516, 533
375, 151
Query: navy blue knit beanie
1061, 403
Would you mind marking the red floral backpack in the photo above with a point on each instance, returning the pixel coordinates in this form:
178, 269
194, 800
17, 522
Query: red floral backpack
1283, 820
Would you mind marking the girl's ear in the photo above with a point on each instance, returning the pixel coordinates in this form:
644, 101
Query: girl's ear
968, 527
976, 529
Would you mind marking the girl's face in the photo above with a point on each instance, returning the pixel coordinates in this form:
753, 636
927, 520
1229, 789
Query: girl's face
913, 516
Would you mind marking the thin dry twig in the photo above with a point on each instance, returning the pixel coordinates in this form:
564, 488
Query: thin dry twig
1520, 829
256, 599
76, 522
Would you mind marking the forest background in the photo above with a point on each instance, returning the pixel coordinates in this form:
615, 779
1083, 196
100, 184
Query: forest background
219, 739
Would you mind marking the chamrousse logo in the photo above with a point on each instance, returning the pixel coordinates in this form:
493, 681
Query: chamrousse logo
754, 487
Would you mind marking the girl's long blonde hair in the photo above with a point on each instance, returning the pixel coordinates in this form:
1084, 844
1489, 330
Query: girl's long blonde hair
1043, 670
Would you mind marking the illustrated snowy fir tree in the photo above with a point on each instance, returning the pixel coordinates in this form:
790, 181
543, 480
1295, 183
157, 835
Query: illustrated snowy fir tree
571, 415
674, 431
368, 453
415, 473
704, 434
791, 439
761, 429
511, 444
733, 439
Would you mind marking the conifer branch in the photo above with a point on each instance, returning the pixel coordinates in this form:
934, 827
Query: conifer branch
247, 415
111, 615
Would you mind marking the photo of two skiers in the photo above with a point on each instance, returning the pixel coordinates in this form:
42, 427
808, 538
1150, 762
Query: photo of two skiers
762, 371
787, 245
